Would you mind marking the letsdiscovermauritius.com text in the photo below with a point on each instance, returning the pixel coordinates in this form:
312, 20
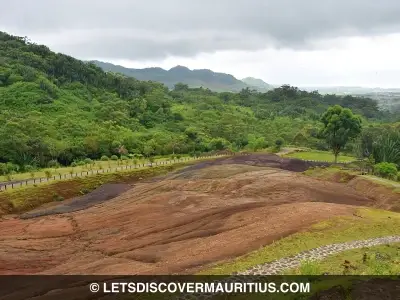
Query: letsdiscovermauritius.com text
200, 287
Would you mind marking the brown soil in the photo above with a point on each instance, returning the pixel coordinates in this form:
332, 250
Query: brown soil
194, 217
382, 195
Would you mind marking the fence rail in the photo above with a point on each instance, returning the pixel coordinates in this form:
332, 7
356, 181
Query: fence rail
20, 183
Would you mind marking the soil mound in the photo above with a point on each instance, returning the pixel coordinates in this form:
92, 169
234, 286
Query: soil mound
175, 225
99, 195
260, 160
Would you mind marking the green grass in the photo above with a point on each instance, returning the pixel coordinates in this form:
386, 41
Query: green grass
367, 223
97, 165
377, 260
319, 156
387, 182
333, 173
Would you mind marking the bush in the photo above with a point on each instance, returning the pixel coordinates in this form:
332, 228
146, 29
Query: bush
84, 191
78, 163
28, 168
53, 163
48, 173
279, 142
87, 161
57, 197
123, 157
114, 157
7, 168
151, 160
386, 170
104, 158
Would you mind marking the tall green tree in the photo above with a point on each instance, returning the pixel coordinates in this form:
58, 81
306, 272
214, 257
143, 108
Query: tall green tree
340, 126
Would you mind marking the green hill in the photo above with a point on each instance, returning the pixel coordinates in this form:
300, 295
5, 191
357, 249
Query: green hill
193, 78
258, 83
56, 109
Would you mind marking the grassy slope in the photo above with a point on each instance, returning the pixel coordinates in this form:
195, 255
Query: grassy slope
98, 165
320, 156
380, 260
368, 223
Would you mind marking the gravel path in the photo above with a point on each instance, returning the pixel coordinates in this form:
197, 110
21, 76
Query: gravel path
280, 265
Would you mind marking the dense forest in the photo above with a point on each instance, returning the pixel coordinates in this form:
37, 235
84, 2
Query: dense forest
57, 109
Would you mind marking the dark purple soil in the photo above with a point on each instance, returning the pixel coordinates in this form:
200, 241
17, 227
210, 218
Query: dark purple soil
99, 195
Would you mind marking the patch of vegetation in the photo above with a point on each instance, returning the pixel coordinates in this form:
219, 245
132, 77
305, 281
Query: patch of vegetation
333, 173
377, 260
58, 111
367, 223
320, 156
386, 170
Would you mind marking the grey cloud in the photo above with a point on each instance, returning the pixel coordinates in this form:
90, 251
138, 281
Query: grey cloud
132, 29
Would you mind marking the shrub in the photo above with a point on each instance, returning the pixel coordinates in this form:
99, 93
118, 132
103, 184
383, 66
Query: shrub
114, 157
77, 163
7, 168
88, 161
104, 158
151, 160
57, 197
279, 142
123, 157
47, 173
53, 163
29, 168
84, 191
386, 170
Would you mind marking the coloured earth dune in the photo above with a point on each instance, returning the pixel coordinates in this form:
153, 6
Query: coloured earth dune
175, 224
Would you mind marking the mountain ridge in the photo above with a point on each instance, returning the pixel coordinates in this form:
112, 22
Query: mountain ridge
206, 78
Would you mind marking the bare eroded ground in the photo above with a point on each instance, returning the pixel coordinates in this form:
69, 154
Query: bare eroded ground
204, 214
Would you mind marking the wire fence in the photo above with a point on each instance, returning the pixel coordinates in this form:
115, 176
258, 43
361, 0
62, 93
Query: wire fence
33, 181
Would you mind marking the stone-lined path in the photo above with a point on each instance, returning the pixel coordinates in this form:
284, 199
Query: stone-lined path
278, 266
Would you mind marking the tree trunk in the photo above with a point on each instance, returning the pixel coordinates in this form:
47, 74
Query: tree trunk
336, 155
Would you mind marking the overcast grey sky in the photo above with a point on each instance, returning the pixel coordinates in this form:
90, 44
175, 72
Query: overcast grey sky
300, 42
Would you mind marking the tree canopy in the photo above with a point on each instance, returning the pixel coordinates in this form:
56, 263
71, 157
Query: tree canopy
55, 108
340, 126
